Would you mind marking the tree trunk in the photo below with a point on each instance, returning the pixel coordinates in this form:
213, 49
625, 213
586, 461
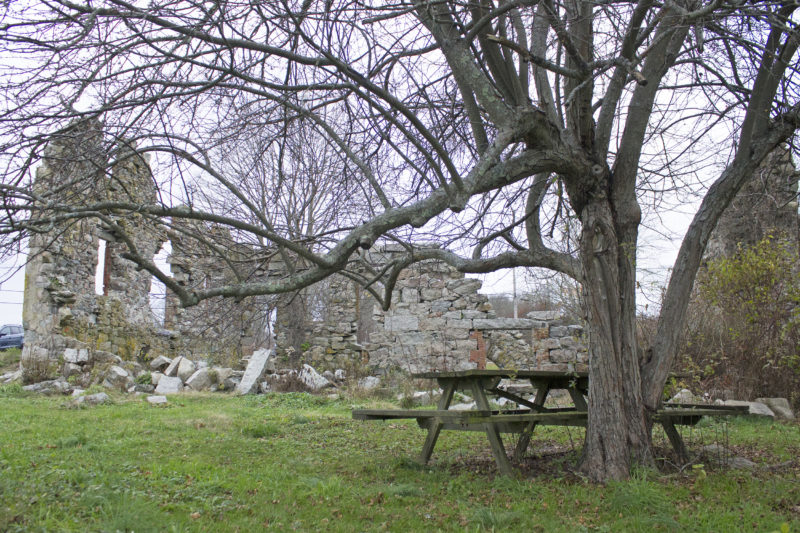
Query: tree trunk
617, 432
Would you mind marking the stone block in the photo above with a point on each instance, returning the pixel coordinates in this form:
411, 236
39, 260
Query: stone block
160, 363
563, 356
779, 406
93, 399
459, 324
559, 331
453, 315
76, 356
255, 369
118, 377
169, 385
401, 323
71, 369
571, 342
409, 295
312, 379
549, 344
440, 306
464, 286
155, 376
501, 323
186, 368
754, 408
575, 330
199, 380
156, 400
543, 315
172, 369
219, 374
431, 294
433, 324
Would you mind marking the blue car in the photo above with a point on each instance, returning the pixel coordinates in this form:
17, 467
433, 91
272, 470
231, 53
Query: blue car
11, 336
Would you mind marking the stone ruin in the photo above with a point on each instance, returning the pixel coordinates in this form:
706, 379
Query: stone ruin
68, 327
438, 320
766, 205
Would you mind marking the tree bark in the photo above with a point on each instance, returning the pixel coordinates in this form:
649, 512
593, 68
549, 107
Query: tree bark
617, 433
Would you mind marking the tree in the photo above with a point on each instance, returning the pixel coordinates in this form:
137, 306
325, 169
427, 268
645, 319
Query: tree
467, 123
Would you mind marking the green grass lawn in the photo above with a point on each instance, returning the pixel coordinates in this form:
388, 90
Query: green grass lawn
298, 462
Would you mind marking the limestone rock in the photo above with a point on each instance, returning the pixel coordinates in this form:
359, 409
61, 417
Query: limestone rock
146, 388
11, 376
253, 372
75, 356
312, 379
369, 383
754, 408
463, 407
779, 406
101, 356
199, 380
186, 368
172, 369
264, 387
93, 399
339, 374
118, 377
722, 456
54, 386
169, 385
684, 396
156, 400
160, 363
502, 323
219, 374
155, 377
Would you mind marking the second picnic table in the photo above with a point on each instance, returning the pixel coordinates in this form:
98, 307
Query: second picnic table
481, 384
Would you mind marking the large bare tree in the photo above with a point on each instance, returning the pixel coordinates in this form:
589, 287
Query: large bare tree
478, 124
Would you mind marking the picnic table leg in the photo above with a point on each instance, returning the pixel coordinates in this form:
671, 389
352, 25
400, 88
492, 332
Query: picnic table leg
495, 441
542, 390
578, 399
436, 425
676, 440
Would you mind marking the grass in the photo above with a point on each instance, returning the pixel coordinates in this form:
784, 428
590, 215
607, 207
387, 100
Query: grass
9, 359
298, 462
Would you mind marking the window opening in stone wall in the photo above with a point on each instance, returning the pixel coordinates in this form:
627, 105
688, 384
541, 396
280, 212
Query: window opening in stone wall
101, 270
158, 291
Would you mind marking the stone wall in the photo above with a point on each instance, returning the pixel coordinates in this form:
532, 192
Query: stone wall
437, 321
69, 328
767, 204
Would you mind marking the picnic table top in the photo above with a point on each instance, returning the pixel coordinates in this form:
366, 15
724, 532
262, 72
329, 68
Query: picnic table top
502, 373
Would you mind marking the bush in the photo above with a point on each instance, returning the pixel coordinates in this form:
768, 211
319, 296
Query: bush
744, 324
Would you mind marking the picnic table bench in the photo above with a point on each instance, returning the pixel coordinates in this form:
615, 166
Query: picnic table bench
481, 384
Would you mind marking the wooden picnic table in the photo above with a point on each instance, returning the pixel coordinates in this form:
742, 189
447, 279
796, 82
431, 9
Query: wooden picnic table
483, 384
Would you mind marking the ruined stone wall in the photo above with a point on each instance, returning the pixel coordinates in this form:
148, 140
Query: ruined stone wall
766, 205
66, 324
69, 328
223, 330
437, 321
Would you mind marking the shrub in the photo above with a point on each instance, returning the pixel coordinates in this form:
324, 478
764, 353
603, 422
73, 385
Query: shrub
744, 325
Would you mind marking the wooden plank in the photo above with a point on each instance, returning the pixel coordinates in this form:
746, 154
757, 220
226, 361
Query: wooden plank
495, 441
503, 373
525, 437
676, 440
436, 427
737, 409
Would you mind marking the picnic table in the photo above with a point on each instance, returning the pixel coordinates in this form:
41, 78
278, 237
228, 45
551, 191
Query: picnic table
484, 384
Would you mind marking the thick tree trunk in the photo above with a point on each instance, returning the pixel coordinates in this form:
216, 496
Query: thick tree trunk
617, 433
